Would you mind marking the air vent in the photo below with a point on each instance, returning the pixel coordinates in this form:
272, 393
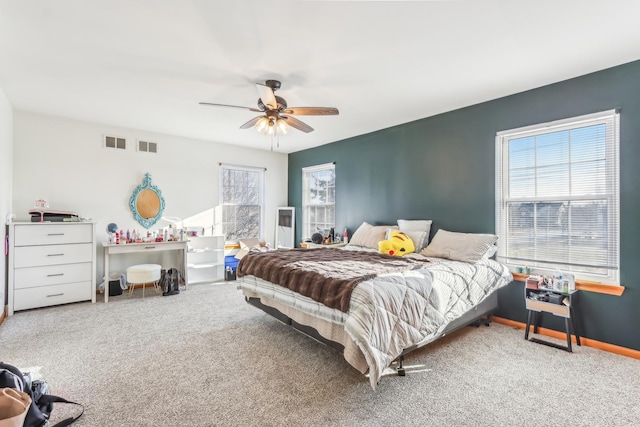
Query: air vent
148, 147
115, 142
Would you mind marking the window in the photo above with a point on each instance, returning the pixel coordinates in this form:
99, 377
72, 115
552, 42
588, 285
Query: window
241, 202
557, 196
318, 199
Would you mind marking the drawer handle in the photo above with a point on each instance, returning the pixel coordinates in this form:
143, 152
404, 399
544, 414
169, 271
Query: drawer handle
55, 234
57, 274
55, 255
149, 247
56, 295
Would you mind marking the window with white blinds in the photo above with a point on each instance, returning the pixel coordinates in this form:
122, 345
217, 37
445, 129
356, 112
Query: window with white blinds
241, 202
557, 196
318, 199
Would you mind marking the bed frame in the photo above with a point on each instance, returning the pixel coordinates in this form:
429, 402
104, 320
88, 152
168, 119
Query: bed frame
480, 314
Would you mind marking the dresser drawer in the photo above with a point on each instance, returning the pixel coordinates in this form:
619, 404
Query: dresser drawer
557, 309
43, 296
53, 234
31, 256
31, 277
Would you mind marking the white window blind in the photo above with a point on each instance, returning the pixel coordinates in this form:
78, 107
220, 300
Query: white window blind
557, 204
241, 202
318, 199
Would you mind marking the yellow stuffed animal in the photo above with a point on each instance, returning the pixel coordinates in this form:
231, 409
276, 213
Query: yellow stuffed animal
398, 244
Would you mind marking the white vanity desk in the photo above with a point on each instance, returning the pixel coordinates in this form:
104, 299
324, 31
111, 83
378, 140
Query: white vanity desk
112, 249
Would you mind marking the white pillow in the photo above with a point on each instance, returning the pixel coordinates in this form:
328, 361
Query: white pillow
417, 230
467, 247
245, 247
368, 235
490, 252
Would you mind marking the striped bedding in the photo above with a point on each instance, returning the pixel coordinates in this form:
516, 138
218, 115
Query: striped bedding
392, 312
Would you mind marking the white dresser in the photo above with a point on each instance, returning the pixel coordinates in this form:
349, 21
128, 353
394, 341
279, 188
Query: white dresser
51, 263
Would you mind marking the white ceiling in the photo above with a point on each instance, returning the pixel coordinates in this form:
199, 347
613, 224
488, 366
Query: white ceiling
145, 64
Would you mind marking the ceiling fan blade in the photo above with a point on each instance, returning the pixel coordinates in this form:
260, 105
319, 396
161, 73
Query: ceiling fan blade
251, 123
267, 96
312, 111
295, 123
230, 106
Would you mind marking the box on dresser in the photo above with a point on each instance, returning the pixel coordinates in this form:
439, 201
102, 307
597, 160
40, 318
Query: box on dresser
44, 215
50, 264
534, 282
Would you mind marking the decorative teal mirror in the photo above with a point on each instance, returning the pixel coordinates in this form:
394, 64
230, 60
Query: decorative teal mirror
147, 203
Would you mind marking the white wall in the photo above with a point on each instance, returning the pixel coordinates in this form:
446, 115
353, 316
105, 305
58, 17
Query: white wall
64, 161
6, 154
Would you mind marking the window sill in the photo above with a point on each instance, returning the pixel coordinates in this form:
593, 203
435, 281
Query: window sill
237, 245
583, 285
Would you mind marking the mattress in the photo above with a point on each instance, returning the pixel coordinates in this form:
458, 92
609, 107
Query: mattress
392, 312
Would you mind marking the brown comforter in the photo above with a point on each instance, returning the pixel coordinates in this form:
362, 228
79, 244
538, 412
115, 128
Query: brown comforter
326, 275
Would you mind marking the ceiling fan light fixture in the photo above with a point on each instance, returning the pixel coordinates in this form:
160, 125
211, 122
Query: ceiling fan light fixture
282, 127
262, 125
271, 128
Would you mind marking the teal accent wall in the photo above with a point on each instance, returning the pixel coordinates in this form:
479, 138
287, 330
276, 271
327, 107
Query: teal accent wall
443, 168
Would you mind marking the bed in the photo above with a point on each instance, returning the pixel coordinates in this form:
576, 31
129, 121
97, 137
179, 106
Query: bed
376, 308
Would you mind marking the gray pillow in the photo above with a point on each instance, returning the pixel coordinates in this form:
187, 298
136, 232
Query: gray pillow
368, 235
467, 247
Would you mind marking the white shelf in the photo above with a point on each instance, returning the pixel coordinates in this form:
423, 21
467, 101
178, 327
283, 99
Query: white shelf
205, 259
196, 266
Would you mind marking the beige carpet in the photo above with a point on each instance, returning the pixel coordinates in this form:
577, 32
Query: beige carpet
206, 358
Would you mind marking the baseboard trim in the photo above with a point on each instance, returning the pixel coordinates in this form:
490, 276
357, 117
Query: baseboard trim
3, 314
611, 348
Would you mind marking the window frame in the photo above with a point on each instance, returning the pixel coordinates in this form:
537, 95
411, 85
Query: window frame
306, 171
612, 194
261, 194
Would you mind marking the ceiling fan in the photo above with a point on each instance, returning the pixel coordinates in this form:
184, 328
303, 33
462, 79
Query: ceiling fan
277, 115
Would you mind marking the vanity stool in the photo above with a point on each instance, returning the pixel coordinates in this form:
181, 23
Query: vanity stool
142, 274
